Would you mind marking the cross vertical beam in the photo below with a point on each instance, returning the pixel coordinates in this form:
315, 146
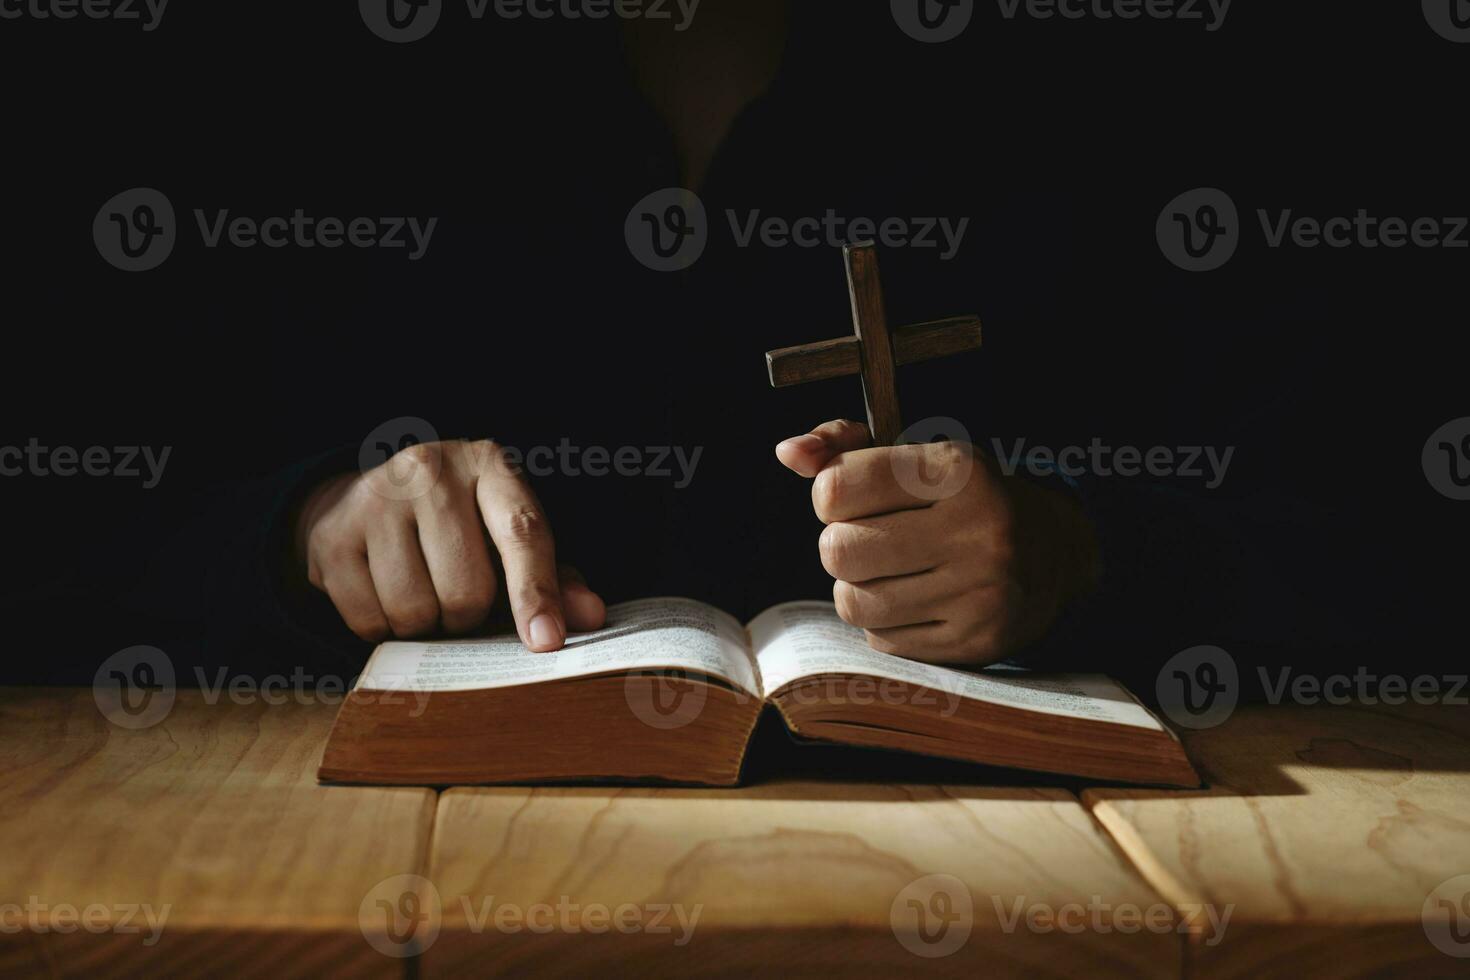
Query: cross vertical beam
870, 325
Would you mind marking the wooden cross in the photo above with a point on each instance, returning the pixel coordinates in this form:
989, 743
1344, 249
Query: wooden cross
872, 351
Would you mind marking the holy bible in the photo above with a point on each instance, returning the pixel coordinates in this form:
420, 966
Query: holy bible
669, 691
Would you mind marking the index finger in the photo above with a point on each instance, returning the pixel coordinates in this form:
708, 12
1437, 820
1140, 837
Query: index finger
869, 482
522, 535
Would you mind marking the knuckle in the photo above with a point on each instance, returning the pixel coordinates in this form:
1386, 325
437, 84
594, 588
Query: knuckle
849, 604
827, 493
1000, 542
522, 525
415, 617
486, 455
835, 548
465, 605
951, 459
369, 630
417, 458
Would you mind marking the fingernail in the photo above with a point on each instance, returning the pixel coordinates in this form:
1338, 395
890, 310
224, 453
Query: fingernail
807, 443
545, 632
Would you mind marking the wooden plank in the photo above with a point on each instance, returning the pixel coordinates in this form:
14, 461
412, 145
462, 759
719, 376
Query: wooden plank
1326, 828
793, 878
212, 820
912, 343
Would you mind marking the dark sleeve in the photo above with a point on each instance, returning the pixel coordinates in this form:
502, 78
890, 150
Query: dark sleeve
1255, 575
210, 587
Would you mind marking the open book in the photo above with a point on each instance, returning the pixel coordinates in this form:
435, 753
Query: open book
670, 691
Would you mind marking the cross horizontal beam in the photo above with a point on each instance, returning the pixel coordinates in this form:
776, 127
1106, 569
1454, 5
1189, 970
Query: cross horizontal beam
843, 357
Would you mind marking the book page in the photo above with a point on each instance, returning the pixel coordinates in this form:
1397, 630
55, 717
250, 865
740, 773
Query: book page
647, 634
804, 639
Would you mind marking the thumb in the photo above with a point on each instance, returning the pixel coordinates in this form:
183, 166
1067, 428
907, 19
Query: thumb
584, 608
806, 455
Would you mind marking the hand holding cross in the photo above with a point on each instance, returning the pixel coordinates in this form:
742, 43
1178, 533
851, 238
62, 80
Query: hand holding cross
872, 351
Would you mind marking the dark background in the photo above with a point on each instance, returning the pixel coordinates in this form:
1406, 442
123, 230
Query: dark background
528, 319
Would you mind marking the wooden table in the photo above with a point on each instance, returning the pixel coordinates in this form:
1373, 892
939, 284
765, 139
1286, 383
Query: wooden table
1323, 834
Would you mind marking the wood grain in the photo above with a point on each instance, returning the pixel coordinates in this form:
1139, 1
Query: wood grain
1325, 827
214, 813
870, 325
839, 358
797, 878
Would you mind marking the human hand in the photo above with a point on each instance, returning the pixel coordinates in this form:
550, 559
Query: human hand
938, 556
402, 549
